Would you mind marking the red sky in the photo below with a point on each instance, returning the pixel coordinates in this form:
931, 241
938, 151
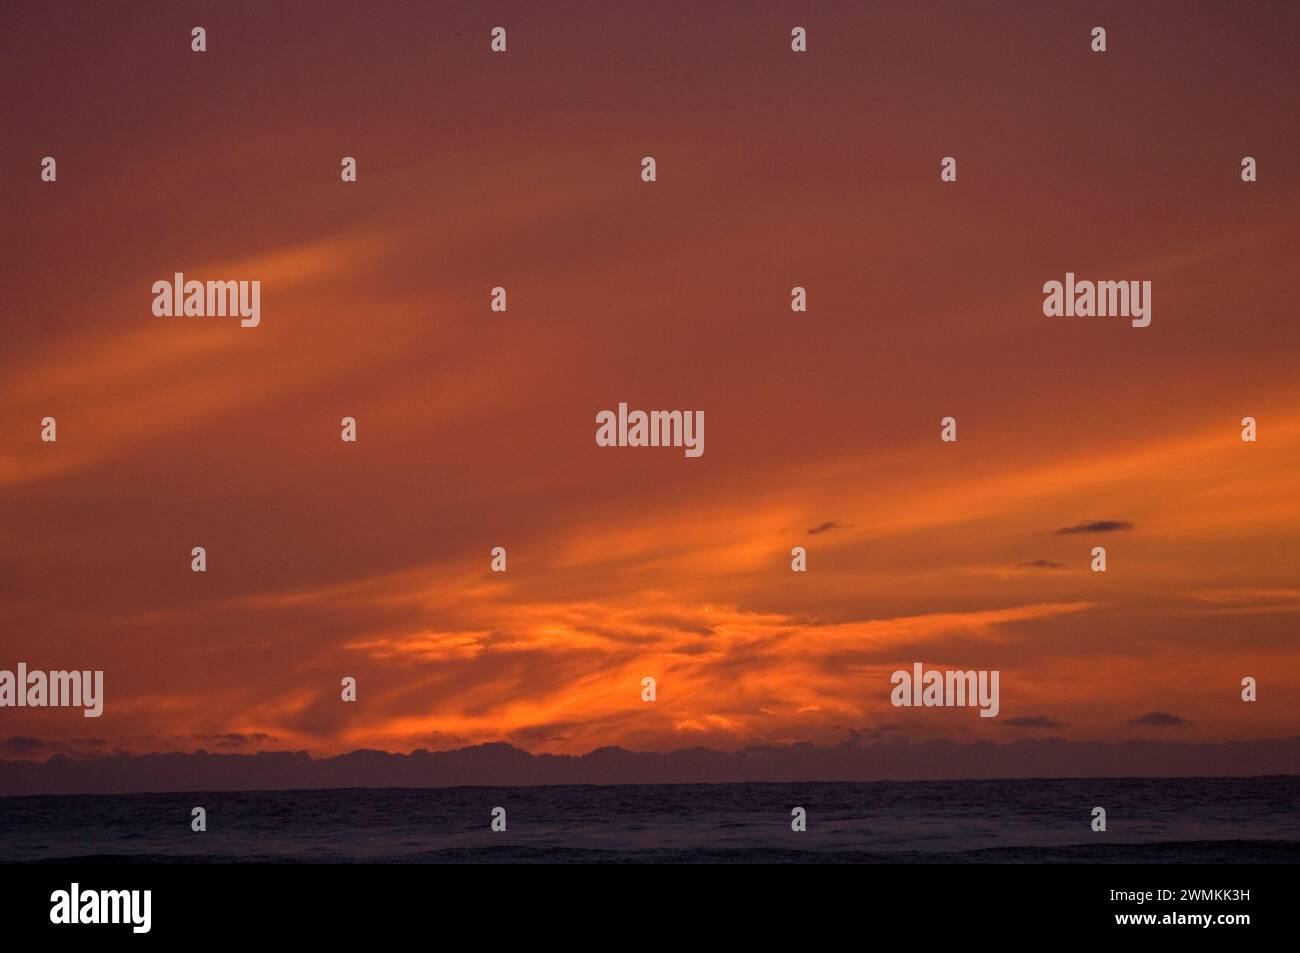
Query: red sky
477, 429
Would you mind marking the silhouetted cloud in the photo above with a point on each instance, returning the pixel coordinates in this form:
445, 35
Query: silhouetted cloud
236, 739
1032, 721
1097, 526
502, 764
1042, 564
1160, 719
833, 524
444, 741
26, 747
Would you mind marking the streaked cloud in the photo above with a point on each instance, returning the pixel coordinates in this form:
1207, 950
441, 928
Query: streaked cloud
1097, 526
1033, 721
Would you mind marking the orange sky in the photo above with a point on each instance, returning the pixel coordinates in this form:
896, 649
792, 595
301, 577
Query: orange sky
477, 429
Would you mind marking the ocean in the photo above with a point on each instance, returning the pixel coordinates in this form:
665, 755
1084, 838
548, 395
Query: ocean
1148, 820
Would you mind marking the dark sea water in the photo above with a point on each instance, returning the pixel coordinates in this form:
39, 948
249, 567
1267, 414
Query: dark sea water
1232, 820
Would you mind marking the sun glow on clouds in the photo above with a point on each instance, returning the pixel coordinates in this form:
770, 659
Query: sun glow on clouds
736, 676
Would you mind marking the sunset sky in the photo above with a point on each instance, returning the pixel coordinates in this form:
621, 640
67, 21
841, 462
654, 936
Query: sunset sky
476, 429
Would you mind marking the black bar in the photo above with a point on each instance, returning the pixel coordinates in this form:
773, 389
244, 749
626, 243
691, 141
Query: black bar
292, 902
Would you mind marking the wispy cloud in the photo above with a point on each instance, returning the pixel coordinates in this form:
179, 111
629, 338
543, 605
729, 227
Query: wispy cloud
1098, 526
1159, 719
1033, 721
